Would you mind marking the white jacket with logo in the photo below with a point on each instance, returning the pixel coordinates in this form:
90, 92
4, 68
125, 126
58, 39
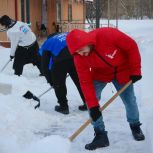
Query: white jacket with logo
20, 35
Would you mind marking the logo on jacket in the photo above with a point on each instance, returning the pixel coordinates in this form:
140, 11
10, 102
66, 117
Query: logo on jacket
111, 56
24, 29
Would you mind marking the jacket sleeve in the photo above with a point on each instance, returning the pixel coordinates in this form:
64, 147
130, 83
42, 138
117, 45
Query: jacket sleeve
86, 80
130, 48
14, 38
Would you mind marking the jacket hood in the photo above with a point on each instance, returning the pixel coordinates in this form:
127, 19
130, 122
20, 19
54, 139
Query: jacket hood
77, 39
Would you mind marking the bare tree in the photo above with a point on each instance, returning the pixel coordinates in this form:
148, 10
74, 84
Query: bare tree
126, 9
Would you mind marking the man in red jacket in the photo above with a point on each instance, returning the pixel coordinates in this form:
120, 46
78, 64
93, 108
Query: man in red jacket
101, 56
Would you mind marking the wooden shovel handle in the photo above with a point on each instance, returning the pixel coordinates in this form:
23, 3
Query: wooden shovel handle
84, 125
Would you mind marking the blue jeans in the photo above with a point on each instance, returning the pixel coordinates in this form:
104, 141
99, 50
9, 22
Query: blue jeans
128, 98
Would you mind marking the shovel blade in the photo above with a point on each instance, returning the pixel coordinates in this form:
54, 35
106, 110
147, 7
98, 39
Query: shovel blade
28, 95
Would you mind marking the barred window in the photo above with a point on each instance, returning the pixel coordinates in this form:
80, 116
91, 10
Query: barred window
58, 11
69, 12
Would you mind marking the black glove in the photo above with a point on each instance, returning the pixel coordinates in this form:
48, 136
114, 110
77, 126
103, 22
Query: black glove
135, 78
11, 57
95, 113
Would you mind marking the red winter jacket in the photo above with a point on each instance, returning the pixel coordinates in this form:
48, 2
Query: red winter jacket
114, 56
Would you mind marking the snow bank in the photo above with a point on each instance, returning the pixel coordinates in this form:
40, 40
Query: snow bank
50, 144
5, 88
8, 144
54, 144
149, 137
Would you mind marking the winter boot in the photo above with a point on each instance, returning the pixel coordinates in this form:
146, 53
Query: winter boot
62, 109
82, 107
137, 132
100, 140
41, 74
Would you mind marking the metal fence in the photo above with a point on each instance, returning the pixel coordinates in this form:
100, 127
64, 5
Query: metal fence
68, 26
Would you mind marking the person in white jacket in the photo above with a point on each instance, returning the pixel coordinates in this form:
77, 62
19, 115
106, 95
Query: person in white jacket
24, 46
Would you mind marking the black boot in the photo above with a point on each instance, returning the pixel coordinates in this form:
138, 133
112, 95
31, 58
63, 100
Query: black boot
137, 132
62, 109
41, 74
100, 140
82, 107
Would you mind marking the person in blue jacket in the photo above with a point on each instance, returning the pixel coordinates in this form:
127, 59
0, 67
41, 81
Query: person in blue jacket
56, 63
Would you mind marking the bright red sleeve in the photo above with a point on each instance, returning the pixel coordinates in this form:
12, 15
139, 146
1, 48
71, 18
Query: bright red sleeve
86, 81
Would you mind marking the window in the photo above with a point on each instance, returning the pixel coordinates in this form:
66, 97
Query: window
27, 12
69, 12
22, 11
58, 11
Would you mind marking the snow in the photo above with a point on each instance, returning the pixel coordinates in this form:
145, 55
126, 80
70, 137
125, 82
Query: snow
5, 88
24, 129
49, 144
149, 134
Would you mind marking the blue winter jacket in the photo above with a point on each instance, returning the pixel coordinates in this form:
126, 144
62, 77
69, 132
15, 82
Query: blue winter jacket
54, 44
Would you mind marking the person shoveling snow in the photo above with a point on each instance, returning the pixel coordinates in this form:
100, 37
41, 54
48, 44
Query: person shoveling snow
52, 143
24, 45
102, 56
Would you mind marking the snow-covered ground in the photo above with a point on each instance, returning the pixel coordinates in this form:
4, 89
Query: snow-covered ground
26, 130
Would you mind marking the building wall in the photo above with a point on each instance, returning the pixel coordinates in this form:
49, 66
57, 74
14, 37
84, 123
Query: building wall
35, 14
64, 10
51, 15
78, 12
6, 7
19, 10
78, 16
13, 9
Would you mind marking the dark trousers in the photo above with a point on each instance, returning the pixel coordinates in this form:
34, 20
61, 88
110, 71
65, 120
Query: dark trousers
59, 72
45, 66
57, 77
26, 55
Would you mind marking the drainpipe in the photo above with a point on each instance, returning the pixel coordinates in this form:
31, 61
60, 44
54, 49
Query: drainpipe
16, 10
28, 11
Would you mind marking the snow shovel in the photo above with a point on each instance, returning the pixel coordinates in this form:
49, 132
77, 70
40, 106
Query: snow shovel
83, 126
30, 95
6, 65
50, 142
5, 88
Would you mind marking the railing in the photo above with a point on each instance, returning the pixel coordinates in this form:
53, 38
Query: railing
68, 26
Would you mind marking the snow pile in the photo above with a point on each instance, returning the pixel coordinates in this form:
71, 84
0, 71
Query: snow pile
55, 144
149, 137
20, 123
8, 144
48, 144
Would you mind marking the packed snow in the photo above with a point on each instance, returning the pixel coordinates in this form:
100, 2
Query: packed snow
24, 129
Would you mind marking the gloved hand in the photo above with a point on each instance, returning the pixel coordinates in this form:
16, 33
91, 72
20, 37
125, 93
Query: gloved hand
135, 78
11, 57
95, 113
